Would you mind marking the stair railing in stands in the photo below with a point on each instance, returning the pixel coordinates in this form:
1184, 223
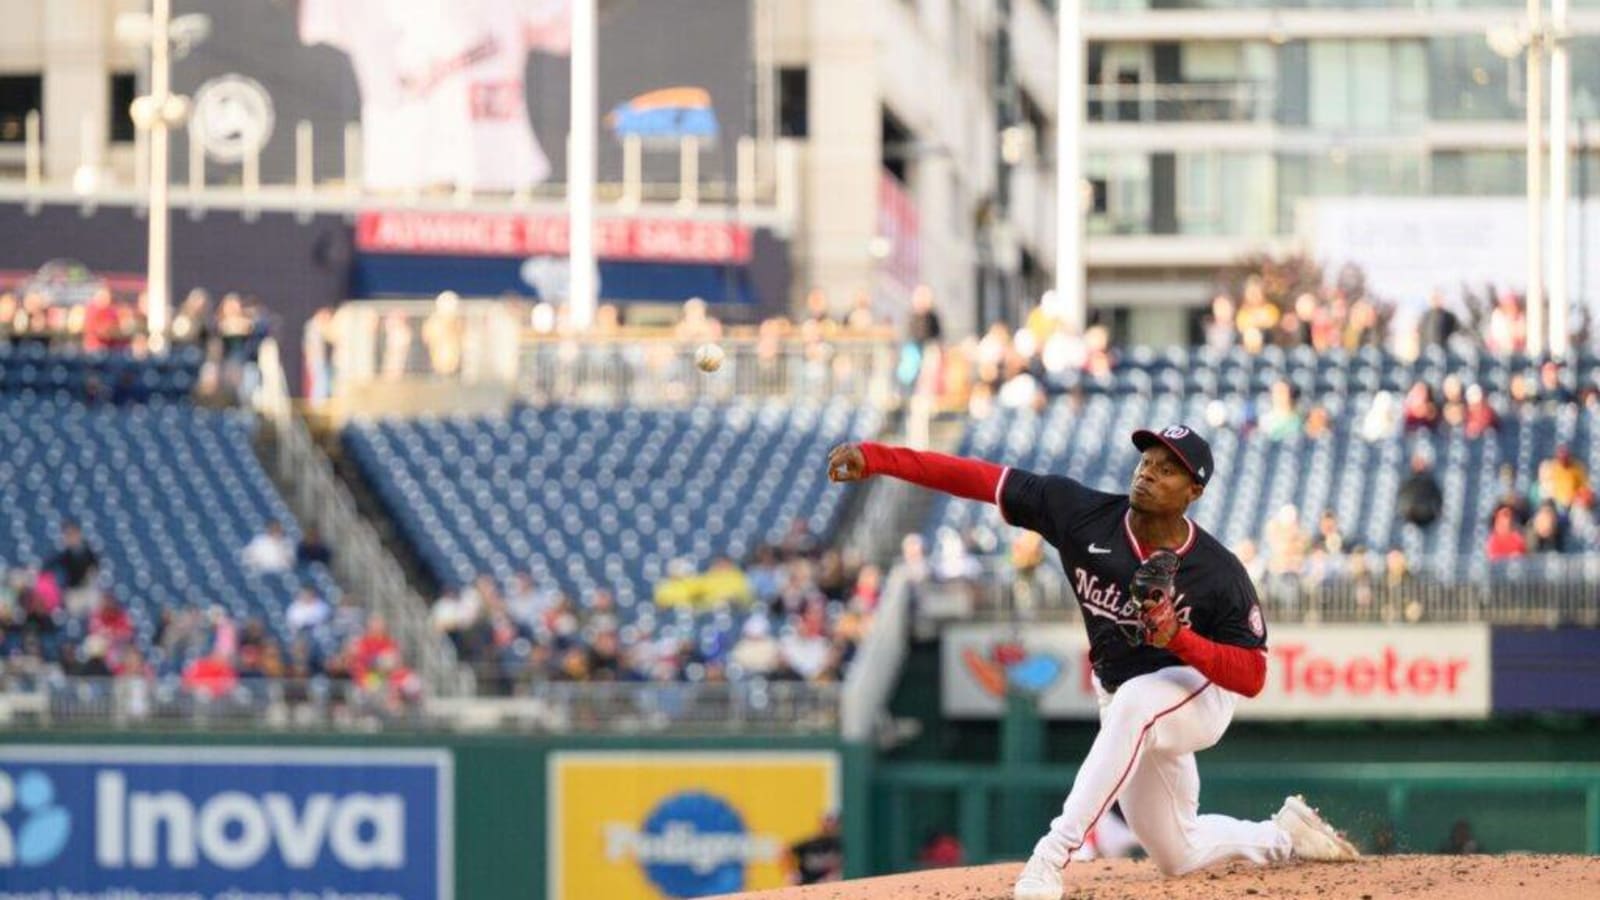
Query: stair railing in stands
360, 563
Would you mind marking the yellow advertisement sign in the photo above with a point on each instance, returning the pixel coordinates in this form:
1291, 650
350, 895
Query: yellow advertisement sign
652, 826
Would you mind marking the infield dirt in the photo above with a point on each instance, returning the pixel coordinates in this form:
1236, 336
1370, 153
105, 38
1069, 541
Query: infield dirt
1371, 878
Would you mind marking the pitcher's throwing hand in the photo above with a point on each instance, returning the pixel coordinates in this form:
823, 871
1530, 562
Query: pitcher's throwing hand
847, 463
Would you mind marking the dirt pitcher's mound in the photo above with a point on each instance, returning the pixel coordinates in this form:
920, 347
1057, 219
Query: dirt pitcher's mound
1372, 878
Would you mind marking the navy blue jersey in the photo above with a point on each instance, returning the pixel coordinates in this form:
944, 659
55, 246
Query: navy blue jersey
1091, 531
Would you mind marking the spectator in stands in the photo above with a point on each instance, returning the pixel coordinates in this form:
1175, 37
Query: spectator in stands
35, 325
805, 651
271, 551
306, 611
444, 334
1220, 331
191, 324
756, 653
1561, 477
1286, 542
1420, 499
1382, 420
1480, 416
697, 324
76, 567
1546, 533
1319, 424
1420, 410
1507, 330
103, 323
1250, 558
1257, 317
111, 621
1453, 403
605, 657
951, 560
527, 602
1438, 324
9, 309
1282, 420
179, 633
1553, 390
1328, 538
372, 643
312, 549
212, 676
600, 613
94, 662
1363, 328
1505, 540
396, 355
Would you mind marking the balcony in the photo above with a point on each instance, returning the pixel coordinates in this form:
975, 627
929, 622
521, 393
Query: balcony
1220, 101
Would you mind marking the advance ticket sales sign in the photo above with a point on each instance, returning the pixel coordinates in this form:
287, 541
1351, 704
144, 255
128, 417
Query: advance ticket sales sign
224, 823
1326, 672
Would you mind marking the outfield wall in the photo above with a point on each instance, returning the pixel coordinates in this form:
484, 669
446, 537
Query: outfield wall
317, 818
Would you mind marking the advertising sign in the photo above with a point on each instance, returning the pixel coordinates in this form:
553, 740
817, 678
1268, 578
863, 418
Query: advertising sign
219, 822
635, 826
466, 94
488, 234
1313, 672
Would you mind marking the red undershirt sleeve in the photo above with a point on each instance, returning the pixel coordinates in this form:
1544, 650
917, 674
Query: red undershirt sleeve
973, 479
1242, 670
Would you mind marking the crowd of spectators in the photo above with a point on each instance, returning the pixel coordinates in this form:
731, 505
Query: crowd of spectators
228, 332
794, 611
59, 620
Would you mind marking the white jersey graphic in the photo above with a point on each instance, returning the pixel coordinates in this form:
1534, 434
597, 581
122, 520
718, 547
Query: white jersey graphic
443, 99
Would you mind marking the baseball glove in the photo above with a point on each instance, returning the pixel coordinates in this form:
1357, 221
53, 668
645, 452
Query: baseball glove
1154, 586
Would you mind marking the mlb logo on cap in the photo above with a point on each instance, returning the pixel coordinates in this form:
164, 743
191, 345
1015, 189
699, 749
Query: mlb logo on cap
1190, 448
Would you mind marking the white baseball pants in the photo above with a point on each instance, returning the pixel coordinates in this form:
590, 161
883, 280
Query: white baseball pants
1150, 730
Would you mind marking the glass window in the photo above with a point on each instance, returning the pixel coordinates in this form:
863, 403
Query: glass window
1344, 173
1470, 82
19, 95
1477, 173
1366, 85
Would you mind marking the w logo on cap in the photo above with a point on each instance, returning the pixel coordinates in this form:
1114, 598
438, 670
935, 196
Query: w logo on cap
1175, 432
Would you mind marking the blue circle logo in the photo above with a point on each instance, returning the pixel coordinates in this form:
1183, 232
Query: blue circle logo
44, 828
694, 844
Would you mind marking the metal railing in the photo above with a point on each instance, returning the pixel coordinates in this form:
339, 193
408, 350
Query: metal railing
1557, 591
158, 703
751, 705
764, 182
362, 564
748, 705
657, 371
401, 340
1235, 101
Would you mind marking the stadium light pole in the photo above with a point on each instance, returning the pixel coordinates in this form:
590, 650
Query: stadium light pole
1535, 171
1560, 178
581, 163
1071, 289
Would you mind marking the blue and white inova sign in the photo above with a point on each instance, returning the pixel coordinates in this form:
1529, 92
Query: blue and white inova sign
205, 823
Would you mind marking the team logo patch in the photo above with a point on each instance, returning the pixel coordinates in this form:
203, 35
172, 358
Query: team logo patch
1257, 626
1175, 432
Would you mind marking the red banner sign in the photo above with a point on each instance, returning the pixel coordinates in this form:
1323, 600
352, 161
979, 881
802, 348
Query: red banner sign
480, 234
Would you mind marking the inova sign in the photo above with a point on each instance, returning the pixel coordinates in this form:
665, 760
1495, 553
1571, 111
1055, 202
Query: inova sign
205, 822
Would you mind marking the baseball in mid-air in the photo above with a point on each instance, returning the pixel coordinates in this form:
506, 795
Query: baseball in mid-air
708, 357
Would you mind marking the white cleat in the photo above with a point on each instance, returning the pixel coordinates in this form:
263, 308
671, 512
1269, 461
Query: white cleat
1310, 836
1039, 881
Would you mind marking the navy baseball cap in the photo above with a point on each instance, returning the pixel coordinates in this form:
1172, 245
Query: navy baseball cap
1190, 448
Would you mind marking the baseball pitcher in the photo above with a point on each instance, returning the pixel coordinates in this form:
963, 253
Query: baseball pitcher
1176, 636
